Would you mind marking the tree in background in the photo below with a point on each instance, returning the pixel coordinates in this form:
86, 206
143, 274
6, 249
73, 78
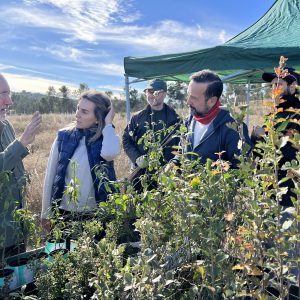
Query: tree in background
237, 93
25, 102
68, 104
137, 100
234, 93
64, 100
177, 93
82, 88
53, 99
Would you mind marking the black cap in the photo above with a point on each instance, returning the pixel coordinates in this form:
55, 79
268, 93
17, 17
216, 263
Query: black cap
156, 85
293, 76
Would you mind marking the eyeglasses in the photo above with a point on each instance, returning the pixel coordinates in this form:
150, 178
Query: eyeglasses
3, 94
148, 91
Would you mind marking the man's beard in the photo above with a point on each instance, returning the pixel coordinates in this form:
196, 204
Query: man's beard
3, 114
196, 113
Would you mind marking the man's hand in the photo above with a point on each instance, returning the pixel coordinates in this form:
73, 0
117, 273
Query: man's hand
141, 162
31, 129
110, 116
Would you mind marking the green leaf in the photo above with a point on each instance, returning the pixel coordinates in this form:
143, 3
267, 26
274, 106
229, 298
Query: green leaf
157, 279
128, 278
287, 224
282, 126
151, 258
169, 282
290, 210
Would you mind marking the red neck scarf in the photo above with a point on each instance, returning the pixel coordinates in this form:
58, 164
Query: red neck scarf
211, 114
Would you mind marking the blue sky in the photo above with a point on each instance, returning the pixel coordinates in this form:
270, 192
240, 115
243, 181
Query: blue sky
56, 42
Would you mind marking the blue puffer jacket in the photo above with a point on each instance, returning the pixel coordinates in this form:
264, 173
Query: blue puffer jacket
219, 137
68, 141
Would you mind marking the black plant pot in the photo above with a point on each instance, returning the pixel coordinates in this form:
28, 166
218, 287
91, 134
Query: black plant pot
55, 252
8, 277
53, 244
23, 271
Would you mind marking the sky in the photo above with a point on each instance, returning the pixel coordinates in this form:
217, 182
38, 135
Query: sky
67, 42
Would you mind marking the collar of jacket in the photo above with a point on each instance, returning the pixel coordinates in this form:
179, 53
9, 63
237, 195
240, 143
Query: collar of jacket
223, 117
148, 108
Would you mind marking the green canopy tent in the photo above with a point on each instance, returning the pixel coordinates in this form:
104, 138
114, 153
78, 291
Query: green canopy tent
239, 60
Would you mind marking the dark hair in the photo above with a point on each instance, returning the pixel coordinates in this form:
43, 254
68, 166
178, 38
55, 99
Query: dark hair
215, 84
102, 107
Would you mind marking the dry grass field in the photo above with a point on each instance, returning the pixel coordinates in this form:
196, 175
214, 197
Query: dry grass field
36, 162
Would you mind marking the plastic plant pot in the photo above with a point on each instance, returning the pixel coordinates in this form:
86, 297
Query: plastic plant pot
52, 254
39, 262
53, 244
73, 245
23, 271
7, 276
41, 258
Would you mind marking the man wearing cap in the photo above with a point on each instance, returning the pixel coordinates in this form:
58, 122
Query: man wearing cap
12, 173
288, 102
209, 127
154, 117
288, 99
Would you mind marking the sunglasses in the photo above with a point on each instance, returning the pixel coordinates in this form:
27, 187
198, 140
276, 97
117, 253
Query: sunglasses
153, 92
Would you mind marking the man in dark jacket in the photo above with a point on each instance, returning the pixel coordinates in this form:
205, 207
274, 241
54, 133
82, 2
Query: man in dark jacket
286, 107
209, 129
155, 116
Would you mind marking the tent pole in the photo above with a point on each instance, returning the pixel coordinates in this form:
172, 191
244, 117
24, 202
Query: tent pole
127, 109
248, 102
127, 98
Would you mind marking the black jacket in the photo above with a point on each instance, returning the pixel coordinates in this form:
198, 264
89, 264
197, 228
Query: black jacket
219, 137
140, 123
288, 151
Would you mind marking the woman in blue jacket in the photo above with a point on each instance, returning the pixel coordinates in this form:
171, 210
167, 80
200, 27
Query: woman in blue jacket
84, 151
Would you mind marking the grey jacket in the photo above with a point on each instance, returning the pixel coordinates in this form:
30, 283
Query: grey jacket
12, 180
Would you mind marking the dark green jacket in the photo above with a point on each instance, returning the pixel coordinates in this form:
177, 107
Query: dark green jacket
12, 180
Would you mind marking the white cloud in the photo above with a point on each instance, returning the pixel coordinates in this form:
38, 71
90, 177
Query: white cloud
223, 36
98, 21
171, 36
21, 69
109, 69
18, 83
81, 19
6, 67
68, 53
85, 59
65, 52
111, 88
